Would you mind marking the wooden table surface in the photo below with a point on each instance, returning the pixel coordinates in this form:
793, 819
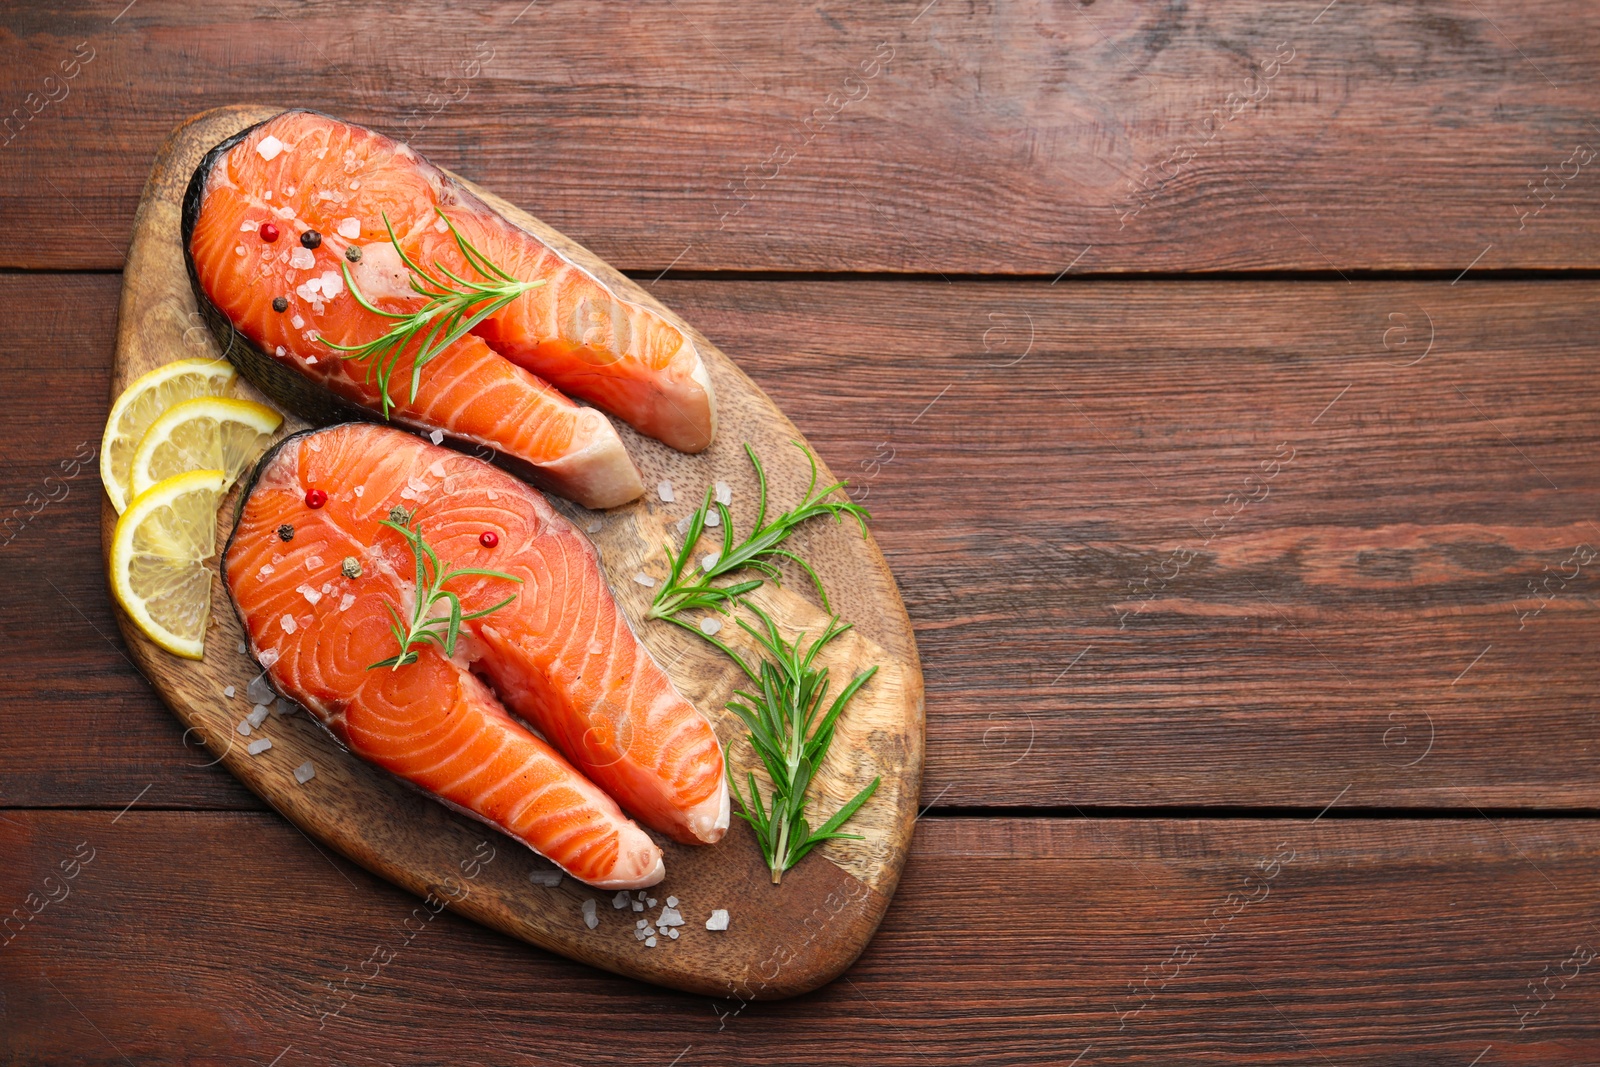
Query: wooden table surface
1221, 378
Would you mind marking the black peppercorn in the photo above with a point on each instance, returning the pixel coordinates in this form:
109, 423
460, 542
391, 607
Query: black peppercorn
310, 239
353, 254
286, 532
280, 304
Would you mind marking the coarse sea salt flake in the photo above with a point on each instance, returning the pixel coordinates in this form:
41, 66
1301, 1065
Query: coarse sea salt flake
595, 526
302, 259
309, 593
638, 905
268, 657
313, 562
244, 727
228, 692
345, 601
243, 647
249, 226
713, 519
288, 624
437, 436
269, 147
332, 284
620, 901
718, 920
550, 878
257, 716
670, 917
673, 933
436, 468
258, 690
590, 919
650, 942
360, 490
672, 902
724, 493
297, 321
350, 227
645, 580
709, 626
305, 772
257, 747
709, 560
280, 351
664, 491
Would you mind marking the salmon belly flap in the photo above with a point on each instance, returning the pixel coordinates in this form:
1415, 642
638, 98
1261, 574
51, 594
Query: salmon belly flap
301, 208
315, 587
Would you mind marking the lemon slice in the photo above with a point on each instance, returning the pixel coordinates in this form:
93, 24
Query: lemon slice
141, 404
158, 554
207, 433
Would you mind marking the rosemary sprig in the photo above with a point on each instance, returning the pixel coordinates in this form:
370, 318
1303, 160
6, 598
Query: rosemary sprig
792, 741
447, 309
424, 627
757, 552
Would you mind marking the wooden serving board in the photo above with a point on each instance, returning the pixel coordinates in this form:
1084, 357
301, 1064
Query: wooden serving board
782, 940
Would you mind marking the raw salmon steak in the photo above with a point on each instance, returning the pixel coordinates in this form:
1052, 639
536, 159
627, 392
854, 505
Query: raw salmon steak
319, 188
314, 585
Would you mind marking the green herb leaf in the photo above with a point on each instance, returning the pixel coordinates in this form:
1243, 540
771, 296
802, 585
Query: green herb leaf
781, 711
448, 314
685, 591
423, 626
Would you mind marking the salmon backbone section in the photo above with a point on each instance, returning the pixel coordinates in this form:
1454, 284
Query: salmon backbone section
288, 222
320, 583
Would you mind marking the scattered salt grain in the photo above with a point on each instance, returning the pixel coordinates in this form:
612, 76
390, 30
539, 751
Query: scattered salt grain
332, 284
255, 748
645, 580
249, 226
709, 560
440, 225
673, 933
360, 491
649, 942
280, 351
595, 648
641, 924
437, 436
257, 716
268, 657
302, 259
670, 917
672, 902
350, 228
284, 706
313, 562
305, 772
269, 148
243, 648
309, 593
297, 321
266, 570
638, 905
724, 493
590, 919
228, 692
345, 601
267, 195
710, 625
436, 468
664, 491
718, 920
650, 902
548, 878
620, 901
288, 624
713, 519
258, 690
324, 194
595, 526
284, 212
244, 727
311, 361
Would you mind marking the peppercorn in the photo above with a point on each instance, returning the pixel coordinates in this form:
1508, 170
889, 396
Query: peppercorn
268, 232
488, 539
286, 532
399, 516
353, 254
310, 239
351, 567
315, 498
280, 304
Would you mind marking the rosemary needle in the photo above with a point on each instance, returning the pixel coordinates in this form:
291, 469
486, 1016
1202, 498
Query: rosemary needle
424, 627
756, 552
782, 713
446, 308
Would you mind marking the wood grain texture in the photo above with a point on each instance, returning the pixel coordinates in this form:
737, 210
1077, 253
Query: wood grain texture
1012, 942
393, 831
1321, 639
979, 136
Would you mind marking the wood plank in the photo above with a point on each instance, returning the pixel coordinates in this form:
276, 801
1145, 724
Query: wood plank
981, 137
1375, 600
1012, 941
